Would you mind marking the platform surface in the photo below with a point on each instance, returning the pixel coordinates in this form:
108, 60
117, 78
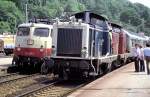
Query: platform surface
5, 61
123, 82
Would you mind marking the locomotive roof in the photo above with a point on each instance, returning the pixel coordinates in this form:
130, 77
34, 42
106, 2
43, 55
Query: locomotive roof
34, 24
91, 14
115, 25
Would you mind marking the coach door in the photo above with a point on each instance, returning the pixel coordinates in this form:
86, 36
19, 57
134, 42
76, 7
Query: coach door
95, 43
98, 43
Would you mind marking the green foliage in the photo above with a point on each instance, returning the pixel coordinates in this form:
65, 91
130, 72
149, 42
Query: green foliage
4, 27
42, 12
10, 16
131, 17
135, 17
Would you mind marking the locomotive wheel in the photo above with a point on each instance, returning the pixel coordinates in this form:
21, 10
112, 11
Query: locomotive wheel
44, 68
65, 75
14, 66
100, 71
114, 65
128, 60
6, 53
14, 61
109, 66
118, 63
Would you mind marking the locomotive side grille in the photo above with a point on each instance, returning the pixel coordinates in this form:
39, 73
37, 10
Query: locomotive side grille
69, 42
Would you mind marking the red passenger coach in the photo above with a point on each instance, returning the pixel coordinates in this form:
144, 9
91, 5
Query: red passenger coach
115, 43
122, 42
122, 38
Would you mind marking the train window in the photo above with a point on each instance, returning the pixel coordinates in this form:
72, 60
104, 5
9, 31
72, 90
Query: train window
101, 23
42, 32
23, 31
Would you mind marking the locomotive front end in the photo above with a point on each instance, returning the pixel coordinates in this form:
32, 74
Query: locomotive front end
33, 43
70, 46
70, 40
78, 44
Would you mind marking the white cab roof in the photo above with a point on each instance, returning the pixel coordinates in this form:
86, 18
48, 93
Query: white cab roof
35, 25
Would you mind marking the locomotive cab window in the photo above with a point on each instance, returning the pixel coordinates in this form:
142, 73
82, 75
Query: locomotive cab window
23, 31
116, 30
98, 22
41, 32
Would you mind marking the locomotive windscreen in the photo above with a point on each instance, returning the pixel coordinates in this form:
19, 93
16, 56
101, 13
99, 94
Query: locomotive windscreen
92, 18
69, 42
42, 32
23, 31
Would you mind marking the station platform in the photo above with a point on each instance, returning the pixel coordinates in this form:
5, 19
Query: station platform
5, 62
123, 82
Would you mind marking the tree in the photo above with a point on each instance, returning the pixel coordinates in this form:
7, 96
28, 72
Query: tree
10, 15
4, 27
131, 17
74, 6
129, 14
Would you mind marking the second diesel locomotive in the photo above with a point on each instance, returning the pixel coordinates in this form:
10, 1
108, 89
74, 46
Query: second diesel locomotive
32, 45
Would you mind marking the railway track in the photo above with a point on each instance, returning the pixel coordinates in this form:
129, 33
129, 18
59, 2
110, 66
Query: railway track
7, 74
7, 77
15, 77
10, 86
57, 88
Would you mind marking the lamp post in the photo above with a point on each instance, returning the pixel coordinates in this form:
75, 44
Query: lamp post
26, 13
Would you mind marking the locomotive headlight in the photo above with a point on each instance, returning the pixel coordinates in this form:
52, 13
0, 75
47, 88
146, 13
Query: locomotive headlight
53, 49
41, 49
18, 49
84, 52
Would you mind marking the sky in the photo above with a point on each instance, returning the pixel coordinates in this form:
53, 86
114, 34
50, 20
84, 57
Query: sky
144, 2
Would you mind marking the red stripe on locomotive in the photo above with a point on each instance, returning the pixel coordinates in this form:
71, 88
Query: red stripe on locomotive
33, 52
